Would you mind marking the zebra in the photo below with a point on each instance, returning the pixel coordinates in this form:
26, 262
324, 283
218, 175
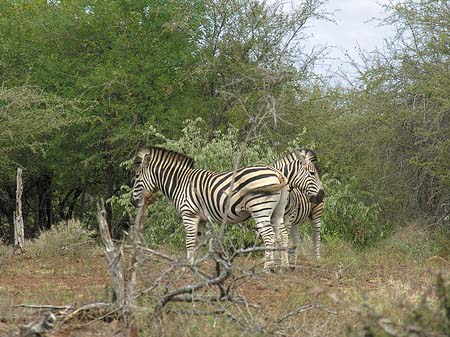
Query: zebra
301, 205
200, 195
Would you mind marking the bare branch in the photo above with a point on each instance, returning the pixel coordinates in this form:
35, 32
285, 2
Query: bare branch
113, 256
304, 308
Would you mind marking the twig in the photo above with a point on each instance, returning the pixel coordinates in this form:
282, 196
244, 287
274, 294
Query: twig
193, 287
304, 308
42, 306
152, 252
105, 309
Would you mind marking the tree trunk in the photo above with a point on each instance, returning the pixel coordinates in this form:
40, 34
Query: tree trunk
109, 194
62, 205
123, 271
44, 210
10, 216
82, 202
19, 235
48, 201
76, 195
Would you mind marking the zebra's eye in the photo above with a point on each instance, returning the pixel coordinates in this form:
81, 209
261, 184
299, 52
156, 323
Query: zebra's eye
312, 173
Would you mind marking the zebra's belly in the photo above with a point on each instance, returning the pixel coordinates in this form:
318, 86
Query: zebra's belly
228, 218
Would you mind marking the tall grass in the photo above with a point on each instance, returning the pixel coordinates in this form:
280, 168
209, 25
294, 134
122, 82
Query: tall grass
63, 240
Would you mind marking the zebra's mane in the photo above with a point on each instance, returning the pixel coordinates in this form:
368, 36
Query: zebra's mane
307, 154
176, 156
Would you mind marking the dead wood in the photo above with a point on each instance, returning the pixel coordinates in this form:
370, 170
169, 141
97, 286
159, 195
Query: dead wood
40, 327
19, 236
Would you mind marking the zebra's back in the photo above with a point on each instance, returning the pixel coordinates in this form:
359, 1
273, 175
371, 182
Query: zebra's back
228, 197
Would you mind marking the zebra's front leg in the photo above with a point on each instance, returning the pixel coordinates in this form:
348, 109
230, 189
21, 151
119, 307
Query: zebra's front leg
191, 227
267, 234
316, 215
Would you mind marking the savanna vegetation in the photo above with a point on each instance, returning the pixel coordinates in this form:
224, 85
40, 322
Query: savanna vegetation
85, 84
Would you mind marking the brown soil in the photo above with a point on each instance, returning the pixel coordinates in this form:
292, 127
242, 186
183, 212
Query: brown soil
75, 282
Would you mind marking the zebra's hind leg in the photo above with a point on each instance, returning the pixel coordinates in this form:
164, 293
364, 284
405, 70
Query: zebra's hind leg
281, 241
280, 228
267, 234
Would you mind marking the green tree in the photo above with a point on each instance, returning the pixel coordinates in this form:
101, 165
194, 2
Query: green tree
29, 119
129, 60
253, 62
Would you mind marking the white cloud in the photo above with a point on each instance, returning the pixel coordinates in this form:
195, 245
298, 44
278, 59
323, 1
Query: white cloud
354, 27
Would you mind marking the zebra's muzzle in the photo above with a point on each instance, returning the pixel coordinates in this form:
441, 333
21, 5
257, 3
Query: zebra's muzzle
317, 199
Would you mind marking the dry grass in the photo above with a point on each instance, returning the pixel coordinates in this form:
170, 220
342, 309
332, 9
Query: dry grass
391, 278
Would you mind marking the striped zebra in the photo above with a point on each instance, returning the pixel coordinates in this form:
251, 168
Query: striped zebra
199, 196
301, 205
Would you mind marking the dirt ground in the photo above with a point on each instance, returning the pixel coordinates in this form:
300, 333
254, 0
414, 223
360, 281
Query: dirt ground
328, 294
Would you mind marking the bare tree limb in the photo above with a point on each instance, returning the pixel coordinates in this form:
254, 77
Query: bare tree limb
136, 241
304, 308
19, 235
113, 256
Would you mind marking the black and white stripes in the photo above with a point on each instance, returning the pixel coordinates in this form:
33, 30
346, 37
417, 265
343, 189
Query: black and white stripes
302, 205
230, 197
259, 191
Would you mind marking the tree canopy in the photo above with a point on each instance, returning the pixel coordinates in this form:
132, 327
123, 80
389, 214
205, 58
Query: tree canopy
85, 83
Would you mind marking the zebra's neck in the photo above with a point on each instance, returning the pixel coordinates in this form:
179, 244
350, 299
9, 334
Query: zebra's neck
171, 178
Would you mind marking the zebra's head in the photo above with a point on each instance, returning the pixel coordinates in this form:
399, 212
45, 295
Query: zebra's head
154, 170
307, 180
143, 180
309, 156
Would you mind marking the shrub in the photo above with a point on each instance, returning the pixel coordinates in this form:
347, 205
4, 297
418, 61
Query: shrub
429, 318
5, 252
441, 237
351, 213
72, 240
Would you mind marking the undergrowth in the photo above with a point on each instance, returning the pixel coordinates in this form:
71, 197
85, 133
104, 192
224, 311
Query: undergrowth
430, 317
71, 240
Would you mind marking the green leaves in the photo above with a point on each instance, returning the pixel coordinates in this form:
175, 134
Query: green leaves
29, 120
352, 214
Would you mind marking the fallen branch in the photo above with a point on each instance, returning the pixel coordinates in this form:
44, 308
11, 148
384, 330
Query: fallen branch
191, 288
304, 308
43, 307
98, 310
39, 328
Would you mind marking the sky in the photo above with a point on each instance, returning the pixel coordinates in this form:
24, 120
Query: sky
352, 30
